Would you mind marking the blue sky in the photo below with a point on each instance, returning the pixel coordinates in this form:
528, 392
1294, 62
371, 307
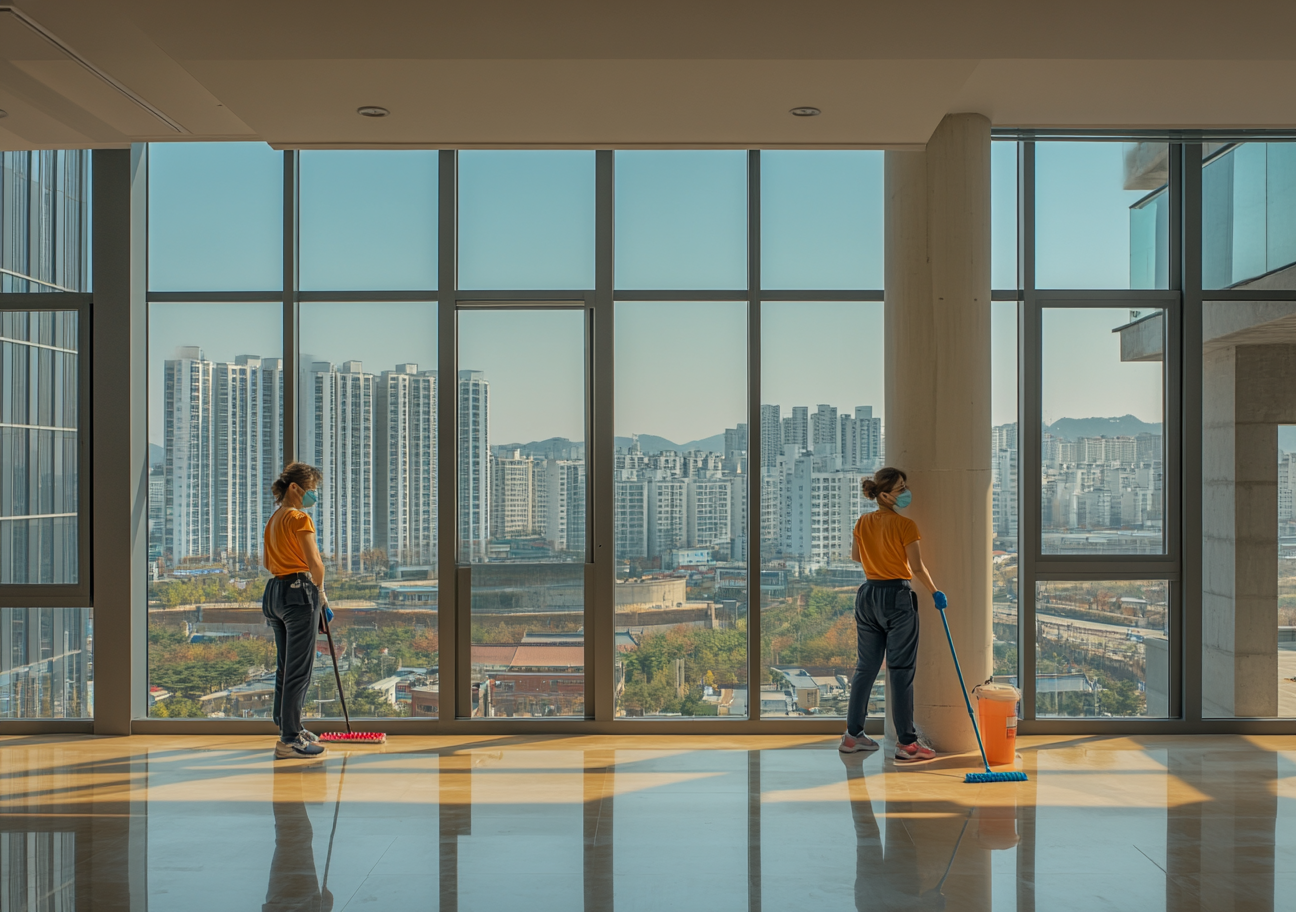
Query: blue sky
527, 221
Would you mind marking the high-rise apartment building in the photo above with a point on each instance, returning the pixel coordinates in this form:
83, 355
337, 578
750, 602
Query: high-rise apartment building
474, 465
630, 519
771, 436
824, 430
406, 472
221, 450
512, 495
796, 429
861, 440
564, 524
339, 435
709, 513
667, 508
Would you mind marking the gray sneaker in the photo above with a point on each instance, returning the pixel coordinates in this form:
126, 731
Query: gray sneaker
300, 748
309, 736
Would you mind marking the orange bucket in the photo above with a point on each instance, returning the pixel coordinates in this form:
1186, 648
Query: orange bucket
997, 717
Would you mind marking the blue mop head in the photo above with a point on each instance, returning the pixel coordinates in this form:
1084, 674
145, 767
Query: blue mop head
1012, 776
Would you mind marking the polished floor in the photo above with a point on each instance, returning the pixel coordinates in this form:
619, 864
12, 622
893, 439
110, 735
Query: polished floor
648, 823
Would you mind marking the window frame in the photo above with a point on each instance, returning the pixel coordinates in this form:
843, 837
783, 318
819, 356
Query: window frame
78, 594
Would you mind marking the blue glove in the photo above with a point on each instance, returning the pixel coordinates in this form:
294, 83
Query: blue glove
939, 598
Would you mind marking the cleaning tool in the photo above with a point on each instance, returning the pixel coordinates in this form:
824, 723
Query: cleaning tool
989, 775
328, 859
935, 897
348, 736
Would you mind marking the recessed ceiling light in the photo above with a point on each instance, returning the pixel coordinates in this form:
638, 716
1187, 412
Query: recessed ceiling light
372, 111
806, 111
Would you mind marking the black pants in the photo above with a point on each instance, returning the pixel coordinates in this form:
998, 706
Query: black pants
886, 621
291, 605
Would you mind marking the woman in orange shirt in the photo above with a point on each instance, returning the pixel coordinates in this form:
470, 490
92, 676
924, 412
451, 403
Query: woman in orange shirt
886, 614
292, 603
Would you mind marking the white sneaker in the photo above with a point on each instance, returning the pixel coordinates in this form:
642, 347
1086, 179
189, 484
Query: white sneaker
852, 744
300, 747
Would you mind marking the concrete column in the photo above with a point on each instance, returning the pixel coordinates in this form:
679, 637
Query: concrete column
938, 398
1247, 394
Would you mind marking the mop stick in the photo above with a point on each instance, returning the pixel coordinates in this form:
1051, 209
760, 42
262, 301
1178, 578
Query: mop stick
349, 736
989, 775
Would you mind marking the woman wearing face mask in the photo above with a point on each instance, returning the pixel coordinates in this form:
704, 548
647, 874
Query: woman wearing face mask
292, 603
886, 614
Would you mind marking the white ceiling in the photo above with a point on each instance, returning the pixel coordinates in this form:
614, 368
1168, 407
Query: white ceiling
498, 73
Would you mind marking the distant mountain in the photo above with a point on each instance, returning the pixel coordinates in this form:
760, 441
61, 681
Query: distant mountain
1124, 426
651, 443
553, 448
156, 454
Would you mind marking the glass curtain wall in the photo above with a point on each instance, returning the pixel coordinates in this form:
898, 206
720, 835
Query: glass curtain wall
46, 658
1098, 330
1248, 430
231, 400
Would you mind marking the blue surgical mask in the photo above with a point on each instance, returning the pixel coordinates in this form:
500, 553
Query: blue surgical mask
905, 499
309, 499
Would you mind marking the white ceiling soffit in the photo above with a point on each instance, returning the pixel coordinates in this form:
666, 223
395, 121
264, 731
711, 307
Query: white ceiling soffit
41, 54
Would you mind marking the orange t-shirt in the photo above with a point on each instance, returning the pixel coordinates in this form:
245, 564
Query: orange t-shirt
882, 537
283, 550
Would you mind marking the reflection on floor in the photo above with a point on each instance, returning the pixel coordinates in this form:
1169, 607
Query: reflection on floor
647, 823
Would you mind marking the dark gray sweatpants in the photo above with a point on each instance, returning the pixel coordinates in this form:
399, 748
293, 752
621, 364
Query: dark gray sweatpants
886, 621
291, 605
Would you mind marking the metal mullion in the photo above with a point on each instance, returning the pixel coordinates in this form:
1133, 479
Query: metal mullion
1106, 297
1080, 572
579, 303
1028, 427
664, 294
447, 444
1231, 294
1189, 655
222, 297
593, 523
753, 436
288, 296
600, 488
42, 301
366, 297
867, 294
1006, 294
520, 297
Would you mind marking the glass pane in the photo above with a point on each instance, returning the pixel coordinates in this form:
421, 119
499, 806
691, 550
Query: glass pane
1003, 215
1100, 215
522, 507
814, 454
1003, 467
215, 444
681, 219
46, 663
1248, 215
368, 220
45, 220
1102, 648
681, 509
39, 447
1103, 408
821, 219
368, 420
526, 220
215, 219
1248, 524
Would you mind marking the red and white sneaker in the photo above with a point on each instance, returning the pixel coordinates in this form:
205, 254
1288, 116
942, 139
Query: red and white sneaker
914, 753
853, 744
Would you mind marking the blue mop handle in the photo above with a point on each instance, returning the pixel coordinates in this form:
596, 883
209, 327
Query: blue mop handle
963, 687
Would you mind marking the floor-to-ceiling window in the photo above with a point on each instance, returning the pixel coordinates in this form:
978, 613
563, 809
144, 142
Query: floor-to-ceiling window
46, 623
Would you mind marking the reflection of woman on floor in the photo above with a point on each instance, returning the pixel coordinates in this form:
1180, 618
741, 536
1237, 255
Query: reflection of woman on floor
294, 886
886, 877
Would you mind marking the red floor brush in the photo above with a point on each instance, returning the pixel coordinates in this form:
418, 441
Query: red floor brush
348, 736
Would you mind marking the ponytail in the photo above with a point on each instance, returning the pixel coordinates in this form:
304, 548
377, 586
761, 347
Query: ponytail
883, 481
305, 476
